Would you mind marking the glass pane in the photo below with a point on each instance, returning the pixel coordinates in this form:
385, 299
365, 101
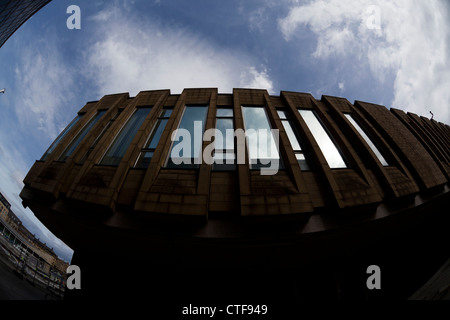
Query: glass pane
261, 144
147, 154
117, 150
189, 138
75, 142
228, 139
60, 137
324, 141
100, 136
144, 159
367, 139
281, 114
291, 135
222, 155
156, 134
165, 113
224, 112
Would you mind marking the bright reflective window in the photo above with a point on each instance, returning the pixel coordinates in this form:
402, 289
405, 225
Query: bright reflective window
123, 140
262, 148
326, 145
367, 139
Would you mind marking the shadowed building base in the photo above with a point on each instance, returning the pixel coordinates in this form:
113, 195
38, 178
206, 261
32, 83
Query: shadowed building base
407, 258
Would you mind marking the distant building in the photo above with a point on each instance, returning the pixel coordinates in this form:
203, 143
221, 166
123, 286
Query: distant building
356, 185
13, 221
5, 206
14, 13
12, 227
7, 215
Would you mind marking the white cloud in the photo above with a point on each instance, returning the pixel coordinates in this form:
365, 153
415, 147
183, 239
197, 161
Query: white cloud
43, 87
252, 78
411, 44
130, 57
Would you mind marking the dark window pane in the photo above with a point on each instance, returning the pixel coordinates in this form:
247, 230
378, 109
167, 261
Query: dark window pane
120, 145
156, 134
91, 148
224, 160
144, 159
75, 142
60, 137
148, 150
165, 113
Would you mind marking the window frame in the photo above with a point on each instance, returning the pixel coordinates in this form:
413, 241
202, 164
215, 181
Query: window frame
320, 143
100, 136
169, 164
61, 136
258, 165
304, 164
366, 137
120, 132
146, 148
82, 133
225, 166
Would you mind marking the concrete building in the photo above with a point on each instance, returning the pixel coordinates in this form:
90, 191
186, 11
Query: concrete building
14, 13
357, 185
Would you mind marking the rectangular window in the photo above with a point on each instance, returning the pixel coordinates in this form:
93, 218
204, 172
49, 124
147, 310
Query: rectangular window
326, 145
60, 137
186, 150
367, 139
123, 140
91, 148
262, 149
150, 146
294, 139
80, 136
224, 154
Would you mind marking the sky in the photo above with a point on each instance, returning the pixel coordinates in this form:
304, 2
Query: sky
393, 53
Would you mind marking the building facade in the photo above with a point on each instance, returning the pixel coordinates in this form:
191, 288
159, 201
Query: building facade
12, 228
13, 221
14, 13
131, 177
5, 206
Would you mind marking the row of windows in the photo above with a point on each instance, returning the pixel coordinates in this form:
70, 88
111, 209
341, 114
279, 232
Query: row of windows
186, 149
